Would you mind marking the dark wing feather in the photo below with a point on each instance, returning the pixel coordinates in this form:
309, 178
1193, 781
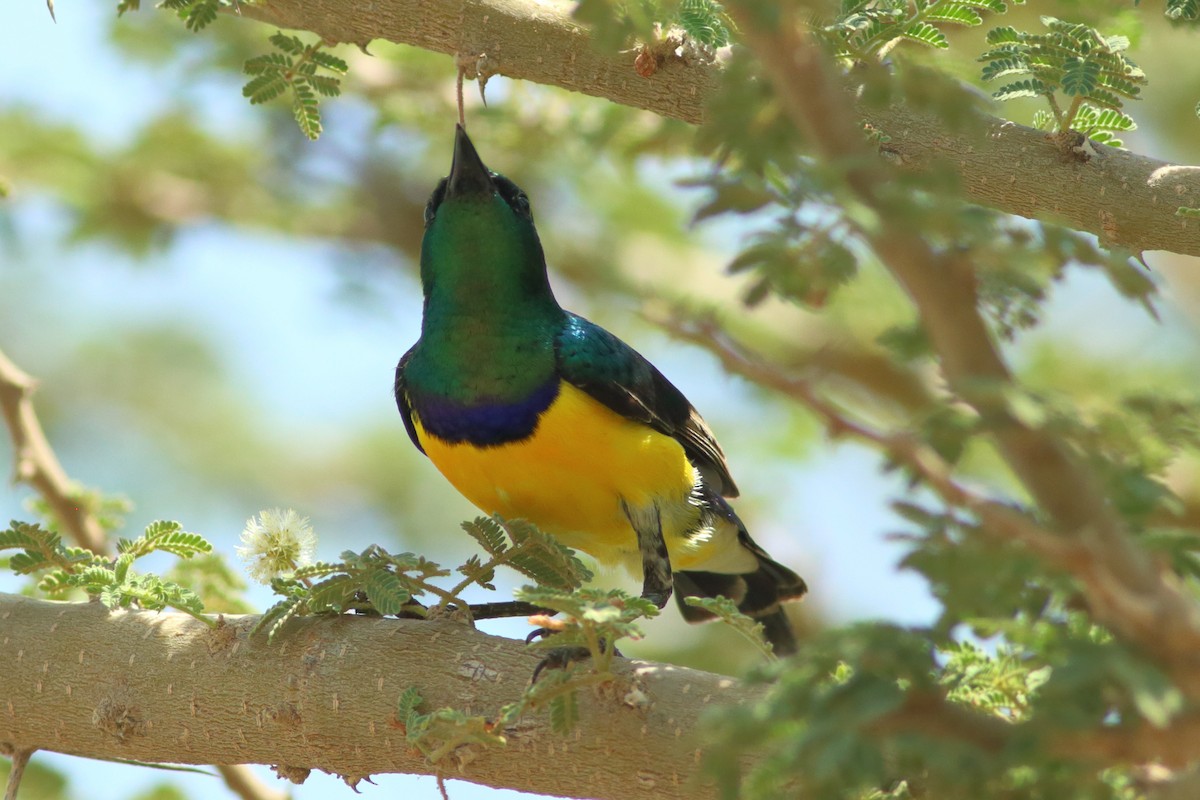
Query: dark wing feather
610, 371
402, 399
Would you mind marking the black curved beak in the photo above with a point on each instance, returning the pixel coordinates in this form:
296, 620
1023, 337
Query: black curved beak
468, 175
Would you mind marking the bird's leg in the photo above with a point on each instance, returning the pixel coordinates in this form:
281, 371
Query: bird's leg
562, 657
656, 580
656, 563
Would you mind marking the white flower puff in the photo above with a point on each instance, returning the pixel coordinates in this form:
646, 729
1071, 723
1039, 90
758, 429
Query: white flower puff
276, 543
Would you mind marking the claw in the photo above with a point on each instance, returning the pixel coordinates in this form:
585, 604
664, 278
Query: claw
559, 658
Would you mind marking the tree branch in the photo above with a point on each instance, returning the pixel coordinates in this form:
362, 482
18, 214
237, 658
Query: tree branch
242, 781
525, 39
1173, 746
163, 687
998, 519
1126, 199
35, 463
16, 772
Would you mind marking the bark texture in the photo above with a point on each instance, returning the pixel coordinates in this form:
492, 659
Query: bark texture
77, 678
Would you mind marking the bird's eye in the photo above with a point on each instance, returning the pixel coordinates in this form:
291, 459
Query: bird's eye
435, 200
512, 194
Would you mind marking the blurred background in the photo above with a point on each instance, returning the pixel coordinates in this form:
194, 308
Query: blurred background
214, 307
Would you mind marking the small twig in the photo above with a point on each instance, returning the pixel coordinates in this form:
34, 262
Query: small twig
16, 771
242, 781
924, 462
462, 117
35, 463
1072, 112
1056, 109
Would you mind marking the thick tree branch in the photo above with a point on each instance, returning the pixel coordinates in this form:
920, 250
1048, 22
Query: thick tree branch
163, 687
1128, 591
1126, 199
534, 40
35, 463
1173, 746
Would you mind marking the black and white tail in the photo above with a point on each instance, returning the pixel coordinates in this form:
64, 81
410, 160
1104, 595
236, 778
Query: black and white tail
759, 594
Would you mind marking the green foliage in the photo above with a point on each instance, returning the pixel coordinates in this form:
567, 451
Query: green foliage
1071, 59
521, 546
108, 510
865, 29
619, 24
442, 732
726, 610
591, 618
196, 14
704, 21
1001, 684
112, 581
380, 582
167, 536
794, 258
374, 581
294, 67
1183, 10
210, 577
864, 709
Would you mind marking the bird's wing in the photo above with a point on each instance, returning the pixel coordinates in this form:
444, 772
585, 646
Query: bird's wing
610, 371
402, 401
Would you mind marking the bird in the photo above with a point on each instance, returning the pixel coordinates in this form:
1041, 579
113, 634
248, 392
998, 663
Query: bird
534, 412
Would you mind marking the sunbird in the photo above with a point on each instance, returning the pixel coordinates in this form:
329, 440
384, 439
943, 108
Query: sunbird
533, 412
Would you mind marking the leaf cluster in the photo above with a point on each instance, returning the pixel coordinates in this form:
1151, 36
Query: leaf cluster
442, 732
376, 581
618, 24
592, 618
865, 30
112, 581
585, 634
295, 67
373, 581
1073, 60
196, 14
1180, 11
725, 610
519, 545
872, 710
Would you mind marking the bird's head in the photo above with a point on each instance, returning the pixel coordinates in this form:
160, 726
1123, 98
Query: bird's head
479, 230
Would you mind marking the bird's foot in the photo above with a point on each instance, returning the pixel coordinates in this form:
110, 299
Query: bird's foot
659, 598
562, 657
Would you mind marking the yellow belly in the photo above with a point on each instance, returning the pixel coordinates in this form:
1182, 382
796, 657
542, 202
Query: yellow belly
570, 477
